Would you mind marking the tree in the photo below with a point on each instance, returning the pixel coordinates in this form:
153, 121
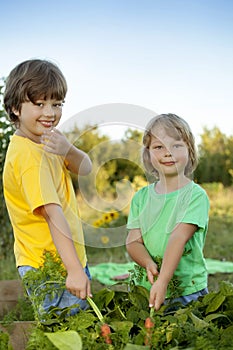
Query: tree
6, 130
215, 163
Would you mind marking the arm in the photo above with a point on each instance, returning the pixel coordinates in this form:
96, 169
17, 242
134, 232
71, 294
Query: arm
138, 252
76, 282
78, 161
173, 253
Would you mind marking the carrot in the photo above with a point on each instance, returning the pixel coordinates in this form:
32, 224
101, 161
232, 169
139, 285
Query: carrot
149, 324
104, 328
105, 331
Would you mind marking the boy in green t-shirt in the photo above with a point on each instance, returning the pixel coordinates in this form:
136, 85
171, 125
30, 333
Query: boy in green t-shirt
169, 218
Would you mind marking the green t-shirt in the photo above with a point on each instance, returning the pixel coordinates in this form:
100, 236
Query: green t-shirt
156, 215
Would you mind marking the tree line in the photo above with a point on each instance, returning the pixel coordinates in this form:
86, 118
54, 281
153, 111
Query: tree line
114, 161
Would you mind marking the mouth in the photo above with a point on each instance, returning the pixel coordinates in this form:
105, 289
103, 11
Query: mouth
169, 163
47, 124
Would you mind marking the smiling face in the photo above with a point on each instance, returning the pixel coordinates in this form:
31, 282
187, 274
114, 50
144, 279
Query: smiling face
37, 117
168, 154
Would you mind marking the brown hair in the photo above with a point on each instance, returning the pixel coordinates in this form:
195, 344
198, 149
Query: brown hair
32, 80
175, 127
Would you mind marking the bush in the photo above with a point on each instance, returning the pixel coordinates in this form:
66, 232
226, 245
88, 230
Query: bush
6, 130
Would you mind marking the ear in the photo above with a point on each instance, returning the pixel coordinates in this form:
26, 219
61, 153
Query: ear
15, 111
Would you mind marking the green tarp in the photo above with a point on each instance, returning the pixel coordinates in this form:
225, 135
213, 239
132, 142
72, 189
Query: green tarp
109, 273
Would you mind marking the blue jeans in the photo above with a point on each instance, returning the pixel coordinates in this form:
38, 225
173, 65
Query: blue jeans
184, 300
62, 298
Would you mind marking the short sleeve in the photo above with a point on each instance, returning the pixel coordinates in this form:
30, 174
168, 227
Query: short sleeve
38, 187
133, 218
197, 212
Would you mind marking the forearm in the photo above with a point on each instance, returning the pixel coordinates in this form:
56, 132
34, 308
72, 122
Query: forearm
136, 249
61, 236
174, 250
139, 253
78, 161
171, 259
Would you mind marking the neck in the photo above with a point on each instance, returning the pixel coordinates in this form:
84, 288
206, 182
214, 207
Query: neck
33, 138
166, 185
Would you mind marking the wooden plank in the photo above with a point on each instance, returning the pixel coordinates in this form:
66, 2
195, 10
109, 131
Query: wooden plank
10, 292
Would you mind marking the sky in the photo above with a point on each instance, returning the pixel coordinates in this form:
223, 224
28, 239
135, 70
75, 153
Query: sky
126, 60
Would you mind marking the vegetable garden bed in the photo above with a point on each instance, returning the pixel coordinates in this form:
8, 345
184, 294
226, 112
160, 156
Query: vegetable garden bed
117, 319
205, 324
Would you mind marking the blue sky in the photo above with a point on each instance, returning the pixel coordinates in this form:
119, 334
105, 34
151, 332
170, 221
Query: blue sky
164, 56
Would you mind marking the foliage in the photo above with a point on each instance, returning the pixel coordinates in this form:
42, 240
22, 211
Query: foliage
4, 341
23, 311
110, 219
203, 324
206, 323
44, 281
112, 161
6, 130
219, 243
139, 273
216, 158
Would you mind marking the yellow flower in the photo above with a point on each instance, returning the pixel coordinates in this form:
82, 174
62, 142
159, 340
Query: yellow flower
107, 217
114, 215
98, 223
104, 239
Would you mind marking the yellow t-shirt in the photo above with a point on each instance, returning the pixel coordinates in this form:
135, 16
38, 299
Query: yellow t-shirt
32, 178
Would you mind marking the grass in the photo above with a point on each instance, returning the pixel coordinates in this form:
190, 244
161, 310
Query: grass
219, 242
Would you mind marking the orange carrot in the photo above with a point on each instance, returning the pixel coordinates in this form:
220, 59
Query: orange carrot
105, 331
149, 324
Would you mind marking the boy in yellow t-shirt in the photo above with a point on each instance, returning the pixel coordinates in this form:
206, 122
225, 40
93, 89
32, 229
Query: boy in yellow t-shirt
37, 185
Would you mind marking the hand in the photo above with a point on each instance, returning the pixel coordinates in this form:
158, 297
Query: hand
152, 271
79, 285
157, 294
55, 142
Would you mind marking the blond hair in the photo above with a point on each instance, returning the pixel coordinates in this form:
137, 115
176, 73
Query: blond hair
175, 127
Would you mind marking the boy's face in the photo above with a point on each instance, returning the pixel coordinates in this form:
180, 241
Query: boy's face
36, 118
169, 156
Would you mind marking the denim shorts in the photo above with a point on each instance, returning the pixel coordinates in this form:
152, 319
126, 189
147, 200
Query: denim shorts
61, 298
184, 300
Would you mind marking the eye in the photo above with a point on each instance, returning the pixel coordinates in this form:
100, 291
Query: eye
39, 104
157, 147
58, 104
178, 145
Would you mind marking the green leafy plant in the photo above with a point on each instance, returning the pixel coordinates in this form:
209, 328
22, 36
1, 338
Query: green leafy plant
203, 324
43, 282
139, 273
6, 130
4, 341
23, 311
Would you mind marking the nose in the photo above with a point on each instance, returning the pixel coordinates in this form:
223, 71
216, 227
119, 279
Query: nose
168, 153
48, 110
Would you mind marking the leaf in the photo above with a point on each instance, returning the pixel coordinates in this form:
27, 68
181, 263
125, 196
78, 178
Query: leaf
139, 297
136, 347
86, 320
69, 340
226, 288
122, 327
212, 317
215, 303
104, 297
198, 323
